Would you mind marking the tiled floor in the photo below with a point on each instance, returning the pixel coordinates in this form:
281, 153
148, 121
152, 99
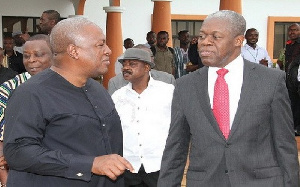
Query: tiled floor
183, 183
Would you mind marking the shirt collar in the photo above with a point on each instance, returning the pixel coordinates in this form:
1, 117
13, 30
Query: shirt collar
150, 83
247, 46
234, 66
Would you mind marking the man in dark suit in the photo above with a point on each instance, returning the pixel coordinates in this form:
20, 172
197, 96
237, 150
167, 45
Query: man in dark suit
257, 147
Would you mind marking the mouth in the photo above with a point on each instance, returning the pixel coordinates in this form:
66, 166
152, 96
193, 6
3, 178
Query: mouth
33, 68
126, 73
106, 61
205, 53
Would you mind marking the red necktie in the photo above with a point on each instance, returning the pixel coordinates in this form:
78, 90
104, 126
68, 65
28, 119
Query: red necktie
221, 103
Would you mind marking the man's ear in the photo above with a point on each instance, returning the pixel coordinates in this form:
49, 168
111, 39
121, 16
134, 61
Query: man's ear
239, 40
72, 51
53, 23
147, 67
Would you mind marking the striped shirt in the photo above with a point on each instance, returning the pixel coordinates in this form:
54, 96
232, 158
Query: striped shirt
5, 91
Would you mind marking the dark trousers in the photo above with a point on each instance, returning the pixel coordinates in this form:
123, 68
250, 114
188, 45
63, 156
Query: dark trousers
141, 179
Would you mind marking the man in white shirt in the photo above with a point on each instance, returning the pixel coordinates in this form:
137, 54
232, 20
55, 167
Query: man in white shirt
144, 107
252, 52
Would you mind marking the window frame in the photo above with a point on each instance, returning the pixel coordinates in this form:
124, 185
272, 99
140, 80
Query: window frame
182, 17
271, 32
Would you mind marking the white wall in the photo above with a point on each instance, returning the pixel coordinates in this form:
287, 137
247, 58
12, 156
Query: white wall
35, 7
256, 13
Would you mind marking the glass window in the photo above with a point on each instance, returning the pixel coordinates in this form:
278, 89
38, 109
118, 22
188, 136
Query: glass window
277, 34
12, 24
280, 37
193, 26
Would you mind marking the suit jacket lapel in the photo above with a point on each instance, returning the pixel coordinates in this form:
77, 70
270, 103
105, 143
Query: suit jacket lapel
203, 98
249, 84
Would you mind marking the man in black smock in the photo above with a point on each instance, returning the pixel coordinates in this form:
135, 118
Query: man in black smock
62, 129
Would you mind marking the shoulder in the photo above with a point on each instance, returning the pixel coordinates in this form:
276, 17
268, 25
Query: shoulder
119, 94
163, 85
162, 76
157, 74
263, 71
171, 50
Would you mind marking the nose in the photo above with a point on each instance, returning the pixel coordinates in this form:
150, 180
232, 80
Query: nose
31, 58
125, 66
205, 41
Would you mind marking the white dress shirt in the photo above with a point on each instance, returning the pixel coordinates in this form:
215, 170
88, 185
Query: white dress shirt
145, 120
299, 74
255, 55
234, 79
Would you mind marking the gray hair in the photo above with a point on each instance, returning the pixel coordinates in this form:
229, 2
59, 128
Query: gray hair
68, 31
236, 22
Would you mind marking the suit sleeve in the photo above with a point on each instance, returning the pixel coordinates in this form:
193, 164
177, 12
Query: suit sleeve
176, 150
283, 134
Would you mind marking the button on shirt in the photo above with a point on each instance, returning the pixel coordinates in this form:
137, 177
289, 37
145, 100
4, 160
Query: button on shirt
255, 55
145, 120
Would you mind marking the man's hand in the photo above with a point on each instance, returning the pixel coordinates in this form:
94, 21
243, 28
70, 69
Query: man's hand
264, 62
111, 165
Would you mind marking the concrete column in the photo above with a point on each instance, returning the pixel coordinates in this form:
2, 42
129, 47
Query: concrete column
162, 18
235, 5
114, 38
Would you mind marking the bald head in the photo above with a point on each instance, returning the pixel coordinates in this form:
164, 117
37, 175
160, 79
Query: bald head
68, 31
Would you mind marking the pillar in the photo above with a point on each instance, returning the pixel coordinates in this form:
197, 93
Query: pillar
80, 9
162, 18
235, 5
113, 39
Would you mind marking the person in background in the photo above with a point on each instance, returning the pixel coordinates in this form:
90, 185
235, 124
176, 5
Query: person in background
292, 47
232, 116
151, 39
292, 61
48, 20
163, 55
144, 106
118, 81
254, 53
127, 43
37, 57
50, 141
20, 39
12, 59
181, 54
194, 55
5, 73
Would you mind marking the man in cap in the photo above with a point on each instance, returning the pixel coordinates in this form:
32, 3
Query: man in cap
118, 81
144, 106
